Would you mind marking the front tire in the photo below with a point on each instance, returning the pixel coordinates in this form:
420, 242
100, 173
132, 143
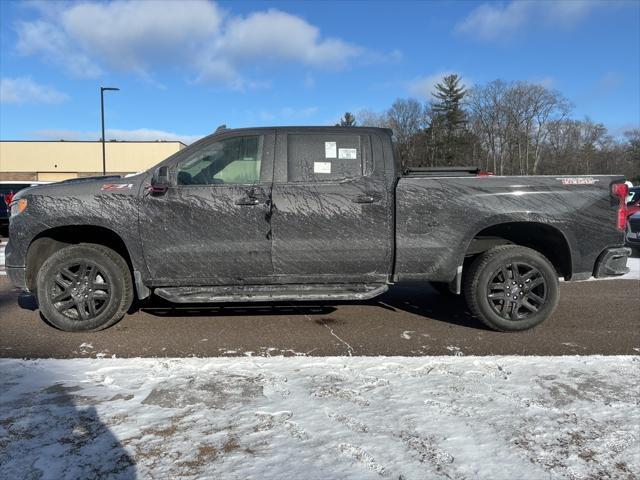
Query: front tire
84, 288
511, 288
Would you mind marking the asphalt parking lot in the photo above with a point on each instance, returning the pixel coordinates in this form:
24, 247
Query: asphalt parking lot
596, 317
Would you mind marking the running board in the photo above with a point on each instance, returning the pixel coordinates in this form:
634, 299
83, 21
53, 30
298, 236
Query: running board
271, 293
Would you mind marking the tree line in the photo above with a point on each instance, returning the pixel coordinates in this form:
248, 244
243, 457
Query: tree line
508, 128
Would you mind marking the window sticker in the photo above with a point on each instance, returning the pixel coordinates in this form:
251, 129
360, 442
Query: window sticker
321, 167
347, 153
330, 149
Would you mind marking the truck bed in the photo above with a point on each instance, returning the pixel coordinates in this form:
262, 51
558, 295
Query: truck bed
437, 216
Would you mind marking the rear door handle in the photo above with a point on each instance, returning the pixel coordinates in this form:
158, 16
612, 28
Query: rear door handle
364, 199
247, 201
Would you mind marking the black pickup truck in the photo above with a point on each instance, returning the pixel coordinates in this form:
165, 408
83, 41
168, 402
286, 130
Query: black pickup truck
306, 213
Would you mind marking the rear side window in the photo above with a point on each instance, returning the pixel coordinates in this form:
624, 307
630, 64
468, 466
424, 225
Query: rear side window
317, 158
230, 161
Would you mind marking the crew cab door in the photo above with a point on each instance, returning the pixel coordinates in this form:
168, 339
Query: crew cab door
332, 218
211, 227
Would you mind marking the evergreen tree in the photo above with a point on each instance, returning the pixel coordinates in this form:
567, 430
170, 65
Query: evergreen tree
347, 120
449, 94
448, 121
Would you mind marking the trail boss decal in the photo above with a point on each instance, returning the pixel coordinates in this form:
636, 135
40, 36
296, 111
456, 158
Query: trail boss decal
117, 186
578, 181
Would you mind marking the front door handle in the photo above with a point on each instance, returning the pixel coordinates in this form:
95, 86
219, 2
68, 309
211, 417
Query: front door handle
247, 201
364, 199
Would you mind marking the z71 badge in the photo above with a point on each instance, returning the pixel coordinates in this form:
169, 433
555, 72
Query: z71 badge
117, 186
578, 180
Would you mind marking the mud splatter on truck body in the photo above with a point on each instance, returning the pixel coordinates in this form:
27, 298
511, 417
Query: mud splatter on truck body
292, 210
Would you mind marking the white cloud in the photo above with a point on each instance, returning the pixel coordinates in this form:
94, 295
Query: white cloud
617, 130
609, 81
496, 21
288, 112
277, 36
136, 35
140, 134
53, 45
423, 87
24, 90
546, 82
147, 134
491, 21
196, 36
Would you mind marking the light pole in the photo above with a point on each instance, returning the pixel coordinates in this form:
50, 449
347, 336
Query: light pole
104, 160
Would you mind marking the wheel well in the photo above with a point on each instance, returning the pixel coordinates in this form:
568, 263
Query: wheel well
546, 239
50, 241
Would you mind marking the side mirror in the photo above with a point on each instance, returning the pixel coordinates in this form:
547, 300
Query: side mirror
160, 182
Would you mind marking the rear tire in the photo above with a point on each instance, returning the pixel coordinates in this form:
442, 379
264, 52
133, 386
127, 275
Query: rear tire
84, 287
511, 288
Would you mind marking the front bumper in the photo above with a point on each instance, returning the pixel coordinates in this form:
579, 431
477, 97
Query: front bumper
612, 262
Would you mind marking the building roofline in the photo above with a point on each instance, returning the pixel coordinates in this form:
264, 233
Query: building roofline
93, 141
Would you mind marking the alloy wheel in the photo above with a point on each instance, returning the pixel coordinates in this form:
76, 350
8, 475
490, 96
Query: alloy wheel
80, 290
516, 291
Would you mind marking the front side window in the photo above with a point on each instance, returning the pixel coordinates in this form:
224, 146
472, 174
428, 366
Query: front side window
230, 161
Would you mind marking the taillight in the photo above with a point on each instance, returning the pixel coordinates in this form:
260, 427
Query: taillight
621, 190
8, 198
483, 173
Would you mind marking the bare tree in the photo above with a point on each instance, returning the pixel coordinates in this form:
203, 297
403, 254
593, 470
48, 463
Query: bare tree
406, 120
489, 122
508, 128
369, 118
511, 121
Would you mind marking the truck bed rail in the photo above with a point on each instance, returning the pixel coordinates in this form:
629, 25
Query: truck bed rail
442, 172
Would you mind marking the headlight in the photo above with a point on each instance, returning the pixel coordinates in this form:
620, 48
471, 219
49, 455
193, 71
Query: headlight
18, 206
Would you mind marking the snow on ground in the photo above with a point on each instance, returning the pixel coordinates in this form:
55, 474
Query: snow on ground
634, 269
3, 243
348, 418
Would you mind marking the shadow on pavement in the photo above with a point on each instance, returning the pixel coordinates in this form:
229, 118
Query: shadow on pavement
50, 430
417, 299
160, 308
422, 300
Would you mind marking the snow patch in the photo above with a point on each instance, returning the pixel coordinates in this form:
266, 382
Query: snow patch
338, 417
407, 334
455, 351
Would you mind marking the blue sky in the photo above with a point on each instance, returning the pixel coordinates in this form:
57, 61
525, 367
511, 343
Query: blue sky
186, 67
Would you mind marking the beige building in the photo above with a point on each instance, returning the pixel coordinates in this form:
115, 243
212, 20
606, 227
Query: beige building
60, 160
